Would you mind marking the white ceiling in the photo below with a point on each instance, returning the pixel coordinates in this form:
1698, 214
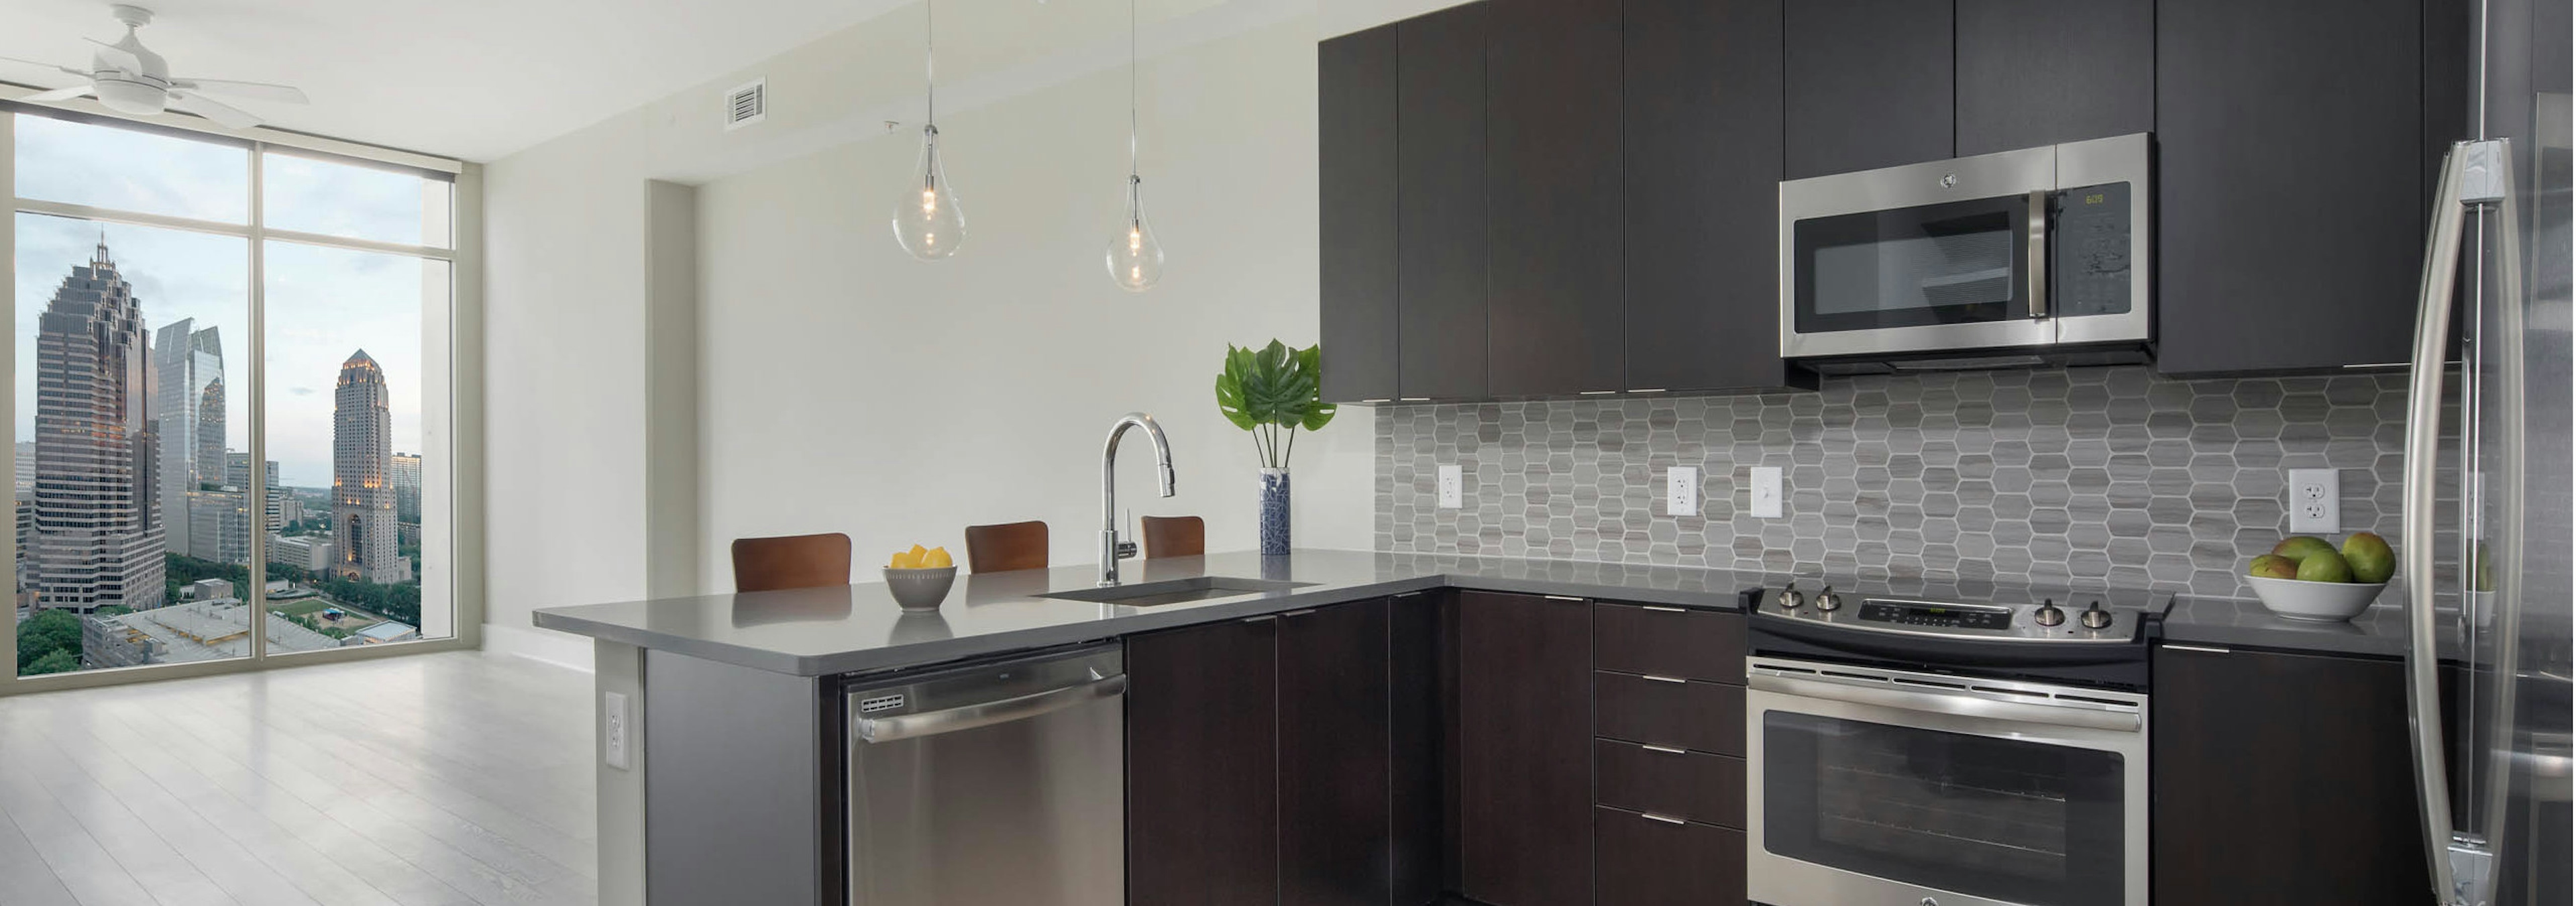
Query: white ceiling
473, 79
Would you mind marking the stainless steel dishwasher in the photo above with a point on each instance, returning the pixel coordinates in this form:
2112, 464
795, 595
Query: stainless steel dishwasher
1002, 782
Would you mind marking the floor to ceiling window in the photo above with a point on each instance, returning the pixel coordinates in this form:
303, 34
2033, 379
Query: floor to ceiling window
230, 398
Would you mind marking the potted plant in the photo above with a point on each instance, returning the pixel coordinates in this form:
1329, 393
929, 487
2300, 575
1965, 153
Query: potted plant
1272, 392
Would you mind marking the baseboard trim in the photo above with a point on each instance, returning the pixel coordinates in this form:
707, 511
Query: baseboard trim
542, 645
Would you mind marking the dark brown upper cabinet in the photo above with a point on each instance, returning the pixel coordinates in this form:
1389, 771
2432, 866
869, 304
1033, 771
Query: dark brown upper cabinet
1701, 152
1440, 249
1869, 84
2041, 72
2290, 193
1554, 237
1356, 165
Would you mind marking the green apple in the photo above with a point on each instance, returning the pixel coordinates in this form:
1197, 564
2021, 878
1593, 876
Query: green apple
2274, 566
2301, 547
2325, 566
2372, 561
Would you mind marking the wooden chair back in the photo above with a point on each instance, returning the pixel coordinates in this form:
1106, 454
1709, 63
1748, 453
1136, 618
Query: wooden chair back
1006, 547
791, 561
1175, 536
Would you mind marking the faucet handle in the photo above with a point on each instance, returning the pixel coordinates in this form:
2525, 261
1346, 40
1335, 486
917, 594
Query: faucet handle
1126, 550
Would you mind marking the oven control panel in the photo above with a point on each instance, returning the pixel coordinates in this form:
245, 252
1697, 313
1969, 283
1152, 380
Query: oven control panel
1917, 613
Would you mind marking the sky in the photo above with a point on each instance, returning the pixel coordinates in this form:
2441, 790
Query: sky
322, 303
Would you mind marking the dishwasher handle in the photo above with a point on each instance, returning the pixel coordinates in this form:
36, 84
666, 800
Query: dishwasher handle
985, 714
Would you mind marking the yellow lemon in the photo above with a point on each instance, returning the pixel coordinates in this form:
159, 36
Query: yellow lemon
937, 559
903, 560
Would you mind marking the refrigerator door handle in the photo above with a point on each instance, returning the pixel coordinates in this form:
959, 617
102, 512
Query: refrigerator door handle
2473, 173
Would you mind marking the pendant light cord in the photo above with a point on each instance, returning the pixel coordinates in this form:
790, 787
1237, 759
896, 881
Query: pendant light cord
930, 61
1131, 91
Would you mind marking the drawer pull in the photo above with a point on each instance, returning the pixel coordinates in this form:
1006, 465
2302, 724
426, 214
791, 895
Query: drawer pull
1665, 609
2173, 647
1650, 816
1561, 597
1668, 750
1666, 679
1298, 613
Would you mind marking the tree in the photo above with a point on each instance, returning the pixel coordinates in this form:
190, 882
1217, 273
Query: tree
56, 661
48, 632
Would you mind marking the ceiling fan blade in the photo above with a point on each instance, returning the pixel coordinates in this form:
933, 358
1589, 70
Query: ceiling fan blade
117, 56
58, 94
225, 114
78, 72
261, 91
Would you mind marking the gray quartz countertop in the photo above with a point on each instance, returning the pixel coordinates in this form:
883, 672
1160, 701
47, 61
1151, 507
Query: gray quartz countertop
857, 628
2380, 631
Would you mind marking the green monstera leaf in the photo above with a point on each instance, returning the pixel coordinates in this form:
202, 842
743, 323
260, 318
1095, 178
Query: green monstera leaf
1269, 389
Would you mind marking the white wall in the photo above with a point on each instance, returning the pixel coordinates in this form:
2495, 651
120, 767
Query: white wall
850, 388
844, 387
564, 380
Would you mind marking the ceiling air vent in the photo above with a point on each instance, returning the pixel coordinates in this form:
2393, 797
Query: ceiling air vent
747, 105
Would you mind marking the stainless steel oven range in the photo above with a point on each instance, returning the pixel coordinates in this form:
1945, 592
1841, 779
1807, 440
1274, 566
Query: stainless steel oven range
1973, 746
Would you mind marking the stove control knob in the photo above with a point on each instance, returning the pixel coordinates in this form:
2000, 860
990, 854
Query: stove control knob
2095, 617
1827, 601
2048, 614
1791, 598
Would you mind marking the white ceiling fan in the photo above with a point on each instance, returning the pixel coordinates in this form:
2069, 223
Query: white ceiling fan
130, 79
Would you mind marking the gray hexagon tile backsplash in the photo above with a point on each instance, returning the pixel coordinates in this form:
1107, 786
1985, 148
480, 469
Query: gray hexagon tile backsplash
2087, 476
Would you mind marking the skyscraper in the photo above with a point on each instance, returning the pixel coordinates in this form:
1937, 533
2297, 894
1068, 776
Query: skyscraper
237, 478
187, 420
407, 488
363, 536
98, 533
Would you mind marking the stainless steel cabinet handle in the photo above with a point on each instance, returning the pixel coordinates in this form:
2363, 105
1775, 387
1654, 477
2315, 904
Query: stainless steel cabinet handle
1650, 816
2038, 252
1298, 613
1666, 609
1665, 679
2173, 647
932, 723
1561, 598
1668, 750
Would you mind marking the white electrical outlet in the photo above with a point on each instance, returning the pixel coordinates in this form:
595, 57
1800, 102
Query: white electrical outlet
612, 711
1766, 492
1681, 491
1453, 488
2313, 501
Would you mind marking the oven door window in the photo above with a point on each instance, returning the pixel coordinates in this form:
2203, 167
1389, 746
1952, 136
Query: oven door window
2003, 819
1959, 262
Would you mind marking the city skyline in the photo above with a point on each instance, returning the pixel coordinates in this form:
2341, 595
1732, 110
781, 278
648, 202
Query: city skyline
321, 302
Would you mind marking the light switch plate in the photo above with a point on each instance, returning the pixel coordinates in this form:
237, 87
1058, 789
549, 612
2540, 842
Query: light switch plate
612, 731
2314, 499
1681, 491
1453, 490
1766, 492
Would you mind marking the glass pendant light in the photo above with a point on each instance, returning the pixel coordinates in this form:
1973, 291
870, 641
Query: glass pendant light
1135, 259
927, 220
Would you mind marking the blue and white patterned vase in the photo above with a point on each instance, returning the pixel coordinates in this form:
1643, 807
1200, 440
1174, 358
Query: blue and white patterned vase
1274, 512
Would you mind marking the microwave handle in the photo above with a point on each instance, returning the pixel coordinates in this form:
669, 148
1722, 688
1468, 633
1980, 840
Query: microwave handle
2037, 236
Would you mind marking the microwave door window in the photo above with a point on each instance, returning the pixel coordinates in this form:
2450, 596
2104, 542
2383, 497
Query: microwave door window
1952, 263
2090, 255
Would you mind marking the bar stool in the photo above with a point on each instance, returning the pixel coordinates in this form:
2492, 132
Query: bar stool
1006, 547
791, 561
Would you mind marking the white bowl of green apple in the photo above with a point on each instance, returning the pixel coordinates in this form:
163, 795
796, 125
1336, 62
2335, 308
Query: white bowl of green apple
2304, 578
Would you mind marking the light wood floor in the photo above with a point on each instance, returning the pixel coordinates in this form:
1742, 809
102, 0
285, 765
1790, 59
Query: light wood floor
445, 778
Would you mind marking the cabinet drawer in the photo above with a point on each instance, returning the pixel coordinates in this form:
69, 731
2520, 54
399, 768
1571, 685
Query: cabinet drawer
1708, 717
1697, 786
1669, 641
1646, 862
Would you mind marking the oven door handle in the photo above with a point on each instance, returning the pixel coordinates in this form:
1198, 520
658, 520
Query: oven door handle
1965, 705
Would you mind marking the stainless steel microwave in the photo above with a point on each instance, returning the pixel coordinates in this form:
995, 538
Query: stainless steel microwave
2013, 256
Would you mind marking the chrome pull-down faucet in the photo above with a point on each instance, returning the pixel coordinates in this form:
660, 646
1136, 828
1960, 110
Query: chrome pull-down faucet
1113, 550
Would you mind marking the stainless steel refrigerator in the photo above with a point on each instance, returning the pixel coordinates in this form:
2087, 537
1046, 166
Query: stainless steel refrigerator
2486, 549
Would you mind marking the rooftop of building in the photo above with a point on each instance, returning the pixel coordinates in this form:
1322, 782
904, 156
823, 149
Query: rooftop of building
219, 628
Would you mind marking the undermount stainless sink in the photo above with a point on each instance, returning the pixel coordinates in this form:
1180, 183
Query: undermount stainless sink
1176, 591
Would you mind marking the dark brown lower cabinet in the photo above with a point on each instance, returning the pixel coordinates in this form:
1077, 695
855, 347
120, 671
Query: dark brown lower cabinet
1202, 766
1646, 860
1670, 711
1334, 769
1523, 749
2283, 779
